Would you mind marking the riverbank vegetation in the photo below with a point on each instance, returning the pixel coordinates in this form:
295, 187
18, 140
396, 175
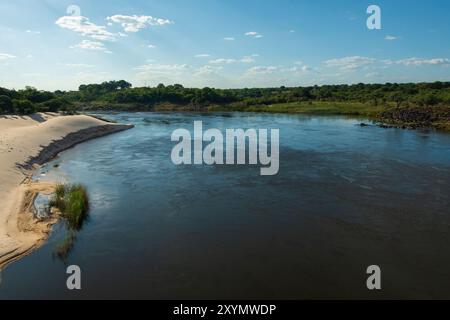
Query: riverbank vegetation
72, 202
407, 104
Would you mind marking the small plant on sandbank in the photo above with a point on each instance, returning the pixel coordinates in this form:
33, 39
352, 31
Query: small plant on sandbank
72, 202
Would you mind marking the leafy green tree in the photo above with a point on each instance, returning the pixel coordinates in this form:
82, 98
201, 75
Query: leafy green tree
53, 105
24, 107
6, 105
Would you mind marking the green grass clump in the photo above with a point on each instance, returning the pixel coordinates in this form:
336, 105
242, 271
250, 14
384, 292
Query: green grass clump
58, 199
72, 202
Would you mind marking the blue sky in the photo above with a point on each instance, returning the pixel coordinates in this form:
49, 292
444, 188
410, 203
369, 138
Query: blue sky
226, 43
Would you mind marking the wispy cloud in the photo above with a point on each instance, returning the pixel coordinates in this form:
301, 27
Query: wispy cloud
84, 27
91, 45
248, 59
350, 63
5, 56
207, 70
421, 62
262, 70
228, 39
222, 61
253, 34
300, 69
306, 68
135, 23
202, 55
33, 32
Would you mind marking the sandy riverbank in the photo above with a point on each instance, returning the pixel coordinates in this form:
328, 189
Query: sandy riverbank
26, 142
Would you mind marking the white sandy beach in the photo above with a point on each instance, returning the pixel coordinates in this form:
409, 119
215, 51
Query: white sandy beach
22, 137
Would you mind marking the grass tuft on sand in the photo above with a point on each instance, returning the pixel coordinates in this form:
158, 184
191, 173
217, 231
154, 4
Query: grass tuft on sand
72, 202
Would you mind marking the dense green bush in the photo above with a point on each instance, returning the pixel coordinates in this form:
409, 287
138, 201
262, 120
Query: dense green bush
24, 107
53, 105
6, 105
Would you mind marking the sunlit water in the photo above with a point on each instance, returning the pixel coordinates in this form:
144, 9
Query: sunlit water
346, 197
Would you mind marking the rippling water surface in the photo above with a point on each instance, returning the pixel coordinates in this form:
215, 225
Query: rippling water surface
346, 197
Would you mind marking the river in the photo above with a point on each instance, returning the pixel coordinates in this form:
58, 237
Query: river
346, 197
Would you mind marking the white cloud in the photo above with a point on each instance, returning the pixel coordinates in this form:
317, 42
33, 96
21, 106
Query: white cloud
33, 32
202, 55
228, 39
151, 46
83, 26
299, 69
90, 45
5, 56
207, 70
292, 31
350, 63
222, 61
262, 70
253, 34
422, 62
248, 59
134, 23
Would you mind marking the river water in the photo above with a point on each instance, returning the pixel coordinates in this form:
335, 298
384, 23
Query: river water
346, 197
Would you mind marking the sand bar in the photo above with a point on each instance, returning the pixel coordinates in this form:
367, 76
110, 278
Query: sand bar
25, 142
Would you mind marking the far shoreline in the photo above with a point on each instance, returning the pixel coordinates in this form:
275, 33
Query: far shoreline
385, 122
